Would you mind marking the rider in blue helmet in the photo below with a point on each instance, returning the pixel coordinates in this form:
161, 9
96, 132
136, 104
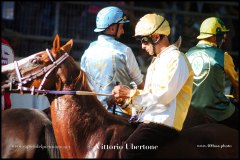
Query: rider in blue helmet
107, 61
109, 16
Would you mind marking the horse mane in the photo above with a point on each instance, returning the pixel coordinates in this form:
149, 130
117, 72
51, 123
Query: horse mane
78, 83
81, 82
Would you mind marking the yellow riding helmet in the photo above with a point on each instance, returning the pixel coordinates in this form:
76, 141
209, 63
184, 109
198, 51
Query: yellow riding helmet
152, 23
211, 26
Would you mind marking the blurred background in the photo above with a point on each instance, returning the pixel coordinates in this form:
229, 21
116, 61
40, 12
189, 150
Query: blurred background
31, 26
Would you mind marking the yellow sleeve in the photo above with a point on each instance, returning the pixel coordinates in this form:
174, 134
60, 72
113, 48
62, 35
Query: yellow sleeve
231, 73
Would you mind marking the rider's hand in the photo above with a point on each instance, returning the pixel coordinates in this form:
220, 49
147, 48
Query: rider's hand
121, 91
111, 101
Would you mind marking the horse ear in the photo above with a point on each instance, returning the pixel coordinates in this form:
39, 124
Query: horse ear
56, 43
67, 47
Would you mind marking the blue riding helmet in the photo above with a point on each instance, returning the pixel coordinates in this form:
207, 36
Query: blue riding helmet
108, 16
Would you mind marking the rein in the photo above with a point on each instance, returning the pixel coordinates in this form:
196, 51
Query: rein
48, 69
45, 92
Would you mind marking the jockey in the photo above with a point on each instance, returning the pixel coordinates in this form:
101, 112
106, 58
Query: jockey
107, 61
163, 104
211, 66
7, 57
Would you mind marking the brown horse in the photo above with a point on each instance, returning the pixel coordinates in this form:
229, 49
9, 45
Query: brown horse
86, 130
27, 133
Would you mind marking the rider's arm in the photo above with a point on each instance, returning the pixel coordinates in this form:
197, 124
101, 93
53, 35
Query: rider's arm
133, 69
231, 73
166, 86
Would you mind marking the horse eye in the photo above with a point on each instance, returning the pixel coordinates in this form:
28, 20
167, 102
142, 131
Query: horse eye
34, 61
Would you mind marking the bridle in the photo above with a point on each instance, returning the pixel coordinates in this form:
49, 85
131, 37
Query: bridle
46, 70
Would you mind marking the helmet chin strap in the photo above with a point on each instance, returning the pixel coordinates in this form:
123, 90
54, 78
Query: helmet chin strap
154, 43
115, 34
219, 40
154, 51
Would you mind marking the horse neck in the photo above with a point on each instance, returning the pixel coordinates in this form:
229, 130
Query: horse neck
77, 118
87, 105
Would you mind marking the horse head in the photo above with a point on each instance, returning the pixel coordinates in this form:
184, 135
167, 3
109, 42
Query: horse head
43, 69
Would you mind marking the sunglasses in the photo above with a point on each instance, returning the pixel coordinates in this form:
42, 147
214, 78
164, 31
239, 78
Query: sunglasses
145, 40
148, 39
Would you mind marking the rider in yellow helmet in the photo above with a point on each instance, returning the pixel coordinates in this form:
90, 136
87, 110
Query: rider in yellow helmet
161, 107
213, 26
211, 66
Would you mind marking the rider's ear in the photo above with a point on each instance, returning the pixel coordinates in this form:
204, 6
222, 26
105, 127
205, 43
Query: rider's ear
155, 37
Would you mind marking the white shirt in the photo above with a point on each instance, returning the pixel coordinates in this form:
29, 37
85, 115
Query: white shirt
168, 89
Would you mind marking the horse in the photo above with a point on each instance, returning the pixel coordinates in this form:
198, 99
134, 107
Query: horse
28, 133
88, 130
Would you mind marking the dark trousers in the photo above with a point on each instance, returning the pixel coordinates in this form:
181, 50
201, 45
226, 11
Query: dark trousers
146, 140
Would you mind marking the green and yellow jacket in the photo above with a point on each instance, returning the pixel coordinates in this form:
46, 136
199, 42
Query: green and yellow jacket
211, 66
